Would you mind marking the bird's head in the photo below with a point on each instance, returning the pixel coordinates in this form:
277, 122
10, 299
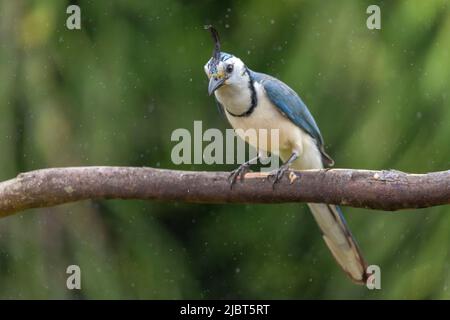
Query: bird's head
223, 68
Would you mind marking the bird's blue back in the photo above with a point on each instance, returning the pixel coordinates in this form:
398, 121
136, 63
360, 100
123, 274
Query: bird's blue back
290, 104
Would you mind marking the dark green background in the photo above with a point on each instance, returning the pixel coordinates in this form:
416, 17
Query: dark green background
112, 93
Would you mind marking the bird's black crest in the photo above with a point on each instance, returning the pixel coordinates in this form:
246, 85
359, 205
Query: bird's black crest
216, 52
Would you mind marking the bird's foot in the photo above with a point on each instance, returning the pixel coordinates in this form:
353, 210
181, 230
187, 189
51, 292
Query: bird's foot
278, 174
238, 173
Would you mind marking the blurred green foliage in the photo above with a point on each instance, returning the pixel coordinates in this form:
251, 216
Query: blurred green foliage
112, 93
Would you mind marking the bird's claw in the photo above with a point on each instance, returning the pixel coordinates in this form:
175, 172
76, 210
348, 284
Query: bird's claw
278, 174
238, 173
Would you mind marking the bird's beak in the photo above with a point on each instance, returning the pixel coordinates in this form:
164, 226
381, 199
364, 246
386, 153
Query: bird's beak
215, 83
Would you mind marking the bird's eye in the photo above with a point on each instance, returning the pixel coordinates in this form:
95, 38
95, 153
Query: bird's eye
230, 68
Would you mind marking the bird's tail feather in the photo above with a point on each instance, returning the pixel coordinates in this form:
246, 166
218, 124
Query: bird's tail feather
340, 241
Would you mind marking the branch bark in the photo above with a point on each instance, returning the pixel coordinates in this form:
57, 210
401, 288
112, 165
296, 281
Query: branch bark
385, 190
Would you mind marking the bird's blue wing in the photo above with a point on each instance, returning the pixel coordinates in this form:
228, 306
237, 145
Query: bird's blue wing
290, 104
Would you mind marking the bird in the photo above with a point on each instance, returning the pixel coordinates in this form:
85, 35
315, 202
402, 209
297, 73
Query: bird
254, 100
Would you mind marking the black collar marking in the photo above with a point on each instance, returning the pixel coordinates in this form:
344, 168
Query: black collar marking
254, 98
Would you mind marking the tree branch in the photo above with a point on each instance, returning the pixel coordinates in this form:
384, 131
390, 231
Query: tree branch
385, 190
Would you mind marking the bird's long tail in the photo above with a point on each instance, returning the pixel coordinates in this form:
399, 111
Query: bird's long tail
340, 241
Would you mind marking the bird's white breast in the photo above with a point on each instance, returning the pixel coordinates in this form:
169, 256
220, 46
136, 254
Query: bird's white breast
267, 116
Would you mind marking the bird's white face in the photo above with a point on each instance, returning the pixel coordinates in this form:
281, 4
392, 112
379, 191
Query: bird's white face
231, 72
